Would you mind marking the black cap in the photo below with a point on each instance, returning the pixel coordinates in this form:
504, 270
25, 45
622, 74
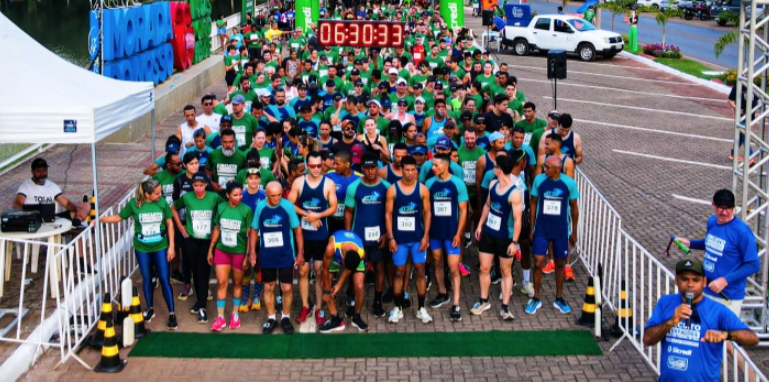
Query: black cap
480, 119
226, 118
417, 85
302, 86
39, 162
355, 72
383, 85
722, 197
466, 116
689, 265
369, 160
305, 107
338, 96
330, 83
200, 177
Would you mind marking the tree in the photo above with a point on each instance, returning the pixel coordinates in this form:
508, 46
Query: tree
727, 38
662, 16
616, 8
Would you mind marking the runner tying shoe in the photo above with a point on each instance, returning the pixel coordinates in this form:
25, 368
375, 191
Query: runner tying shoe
344, 248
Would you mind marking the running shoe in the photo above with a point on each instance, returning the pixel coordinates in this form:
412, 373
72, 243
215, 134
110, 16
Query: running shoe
202, 317
424, 316
378, 310
245, 305
532, 306
562, 305
269, 326
219, 324
210, 296
234, 321
319, 317
455, 314
528, 289
506, 314
406, 301
568, 273
172, 324
148, 315
195, 308
388, 296
549, 268
256, 304
186, 292
395, 315
480, 307
332, 325
176, 277
302, 317
464, 270
288, 328
359, 323
496, 278
439, 301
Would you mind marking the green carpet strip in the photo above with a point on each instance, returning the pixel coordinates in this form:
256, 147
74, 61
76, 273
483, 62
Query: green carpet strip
367, 345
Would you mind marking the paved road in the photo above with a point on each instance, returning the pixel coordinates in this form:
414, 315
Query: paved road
695, 38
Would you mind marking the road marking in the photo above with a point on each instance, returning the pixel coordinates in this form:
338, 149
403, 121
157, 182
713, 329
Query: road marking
656, 131
643, 109
693, 200
674, 160
615, 76
621, 90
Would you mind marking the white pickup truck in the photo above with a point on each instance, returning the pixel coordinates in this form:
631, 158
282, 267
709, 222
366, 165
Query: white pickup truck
569, 33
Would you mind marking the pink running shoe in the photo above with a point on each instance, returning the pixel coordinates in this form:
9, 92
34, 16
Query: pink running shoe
219, 324
234, 321
464, 270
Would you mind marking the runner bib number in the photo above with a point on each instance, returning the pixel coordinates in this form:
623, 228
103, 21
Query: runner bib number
307, 226
273, 239
406, 224
229, 238
469, 168
442, 208
224, 179
201, 228
372, 233
265, 162
527, 138
552, 207
240, 135
151, 233
339, 210
494, 222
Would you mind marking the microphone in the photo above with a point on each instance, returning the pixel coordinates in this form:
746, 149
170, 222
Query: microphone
689, 297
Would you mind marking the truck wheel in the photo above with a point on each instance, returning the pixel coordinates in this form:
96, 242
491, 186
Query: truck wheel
586, 52
521, 47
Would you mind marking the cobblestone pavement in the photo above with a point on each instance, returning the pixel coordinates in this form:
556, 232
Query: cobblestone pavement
649, 139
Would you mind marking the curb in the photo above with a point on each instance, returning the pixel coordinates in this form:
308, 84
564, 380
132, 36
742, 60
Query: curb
721, 88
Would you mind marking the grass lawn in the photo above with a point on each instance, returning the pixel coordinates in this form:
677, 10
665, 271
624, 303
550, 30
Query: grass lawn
687, 66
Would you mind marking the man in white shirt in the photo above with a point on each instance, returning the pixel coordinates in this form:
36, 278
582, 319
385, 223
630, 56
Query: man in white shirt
208, 117
39, 190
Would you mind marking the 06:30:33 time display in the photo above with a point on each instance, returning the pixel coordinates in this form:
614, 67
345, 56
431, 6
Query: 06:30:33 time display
360, 33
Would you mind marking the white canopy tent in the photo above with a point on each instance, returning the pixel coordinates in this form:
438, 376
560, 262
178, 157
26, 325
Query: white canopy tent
45, 99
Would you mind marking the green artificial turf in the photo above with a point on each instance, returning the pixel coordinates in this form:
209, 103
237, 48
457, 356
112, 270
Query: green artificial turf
367, 345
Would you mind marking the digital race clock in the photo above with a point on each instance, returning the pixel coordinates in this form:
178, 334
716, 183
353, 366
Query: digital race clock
367, 34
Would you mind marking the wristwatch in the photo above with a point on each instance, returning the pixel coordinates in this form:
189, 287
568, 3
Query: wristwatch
728, 335
327, 291
516, 243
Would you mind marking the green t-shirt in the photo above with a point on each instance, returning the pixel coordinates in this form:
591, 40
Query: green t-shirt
233, 226
149, 224
166, 180
253, 39
536, 136
244, 128
200, 213
382, 124
265, 176
468, 159
223, 168
530, 128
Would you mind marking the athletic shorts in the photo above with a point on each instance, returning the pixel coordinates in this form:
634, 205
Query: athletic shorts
400, 257
473, 201
222, 31
335, 267
254, 53
224, 258
375, 254
560, 247
229, 77
494, 246
285, 275
446, 246
315, 250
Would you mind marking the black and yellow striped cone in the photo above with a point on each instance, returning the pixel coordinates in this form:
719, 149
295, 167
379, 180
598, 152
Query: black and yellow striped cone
97, 340
92, 214
588, 307
110, 355
623, 312
135, 312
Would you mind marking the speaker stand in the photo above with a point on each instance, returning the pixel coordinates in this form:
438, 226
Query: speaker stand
555, 93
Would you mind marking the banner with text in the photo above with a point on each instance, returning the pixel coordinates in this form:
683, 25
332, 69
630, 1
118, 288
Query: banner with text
453, 13
307, 12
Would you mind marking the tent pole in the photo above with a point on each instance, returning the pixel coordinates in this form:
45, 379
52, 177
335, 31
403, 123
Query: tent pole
97, 226
152, 121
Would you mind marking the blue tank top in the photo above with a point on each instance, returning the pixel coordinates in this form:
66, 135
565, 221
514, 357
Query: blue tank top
407, 216
341, 183
445, 197
369, 204
345, 237
392, 177
567, 144
553, 219
313, 199
311, 126
500, 220
435, 132
489, 163
326, 146
418, 120
276, 235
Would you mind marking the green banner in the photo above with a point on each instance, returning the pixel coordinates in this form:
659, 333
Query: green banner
307, 11
453, 13
248, 7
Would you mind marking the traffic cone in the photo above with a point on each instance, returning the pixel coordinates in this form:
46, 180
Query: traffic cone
97, 340
623, 312
124, 302
110, 355
121, 314
588, 307
135, 312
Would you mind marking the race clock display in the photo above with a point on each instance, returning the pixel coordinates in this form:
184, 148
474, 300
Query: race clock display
367, 34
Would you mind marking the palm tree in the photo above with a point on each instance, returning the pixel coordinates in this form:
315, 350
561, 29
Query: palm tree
727, 38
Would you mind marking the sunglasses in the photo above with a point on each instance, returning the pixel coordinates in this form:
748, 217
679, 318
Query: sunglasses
208, 104
316, 166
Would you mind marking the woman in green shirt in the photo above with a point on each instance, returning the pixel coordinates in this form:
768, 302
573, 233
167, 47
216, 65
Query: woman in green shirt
153, 242
229, 240
199, 206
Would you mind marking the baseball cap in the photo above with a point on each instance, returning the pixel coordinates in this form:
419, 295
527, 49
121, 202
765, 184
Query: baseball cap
438, 85
323, 57
419, 150
479, 119
356, 152
201, 177
443, 143
496, 135
355, 72
338, 97
369, 160
386, 103
383, 85
330, 83
392, 71
374, 102
40, 162
238, 100
302, 86
417, 86
400, 81
419, 100
403, 101
466, 116
305, 107
359, 82
225, 118
253, 171
689, 265
723, 197
262, 92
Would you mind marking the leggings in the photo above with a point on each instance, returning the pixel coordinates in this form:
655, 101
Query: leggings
158, 260
196, 251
